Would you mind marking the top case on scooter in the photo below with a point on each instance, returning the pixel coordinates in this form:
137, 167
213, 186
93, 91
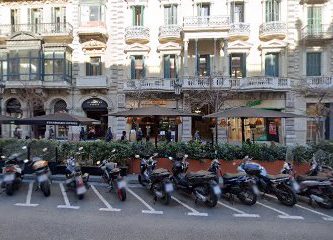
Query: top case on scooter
160, 173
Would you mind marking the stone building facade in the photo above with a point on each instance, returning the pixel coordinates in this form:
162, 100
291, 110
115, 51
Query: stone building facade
95, 57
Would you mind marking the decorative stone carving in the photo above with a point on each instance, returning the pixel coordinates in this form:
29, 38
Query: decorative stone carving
93, 47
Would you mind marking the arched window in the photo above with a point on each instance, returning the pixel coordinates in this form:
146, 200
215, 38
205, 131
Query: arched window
13, 107
60, 106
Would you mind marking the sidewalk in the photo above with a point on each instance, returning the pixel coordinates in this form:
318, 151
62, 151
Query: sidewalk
130, 178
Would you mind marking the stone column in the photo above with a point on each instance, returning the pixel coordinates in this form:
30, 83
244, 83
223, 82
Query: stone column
120, 122
290, 136
225, 59
196, 57
215, 55
221, 132
186, 122
186, 57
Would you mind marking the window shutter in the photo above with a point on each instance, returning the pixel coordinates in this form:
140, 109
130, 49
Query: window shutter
132, 67
166, 66
277, 65
166, 19
177, 59
243, 65
174, 14
142, 15
29, 15
230, 65
208, 65
133, 16
53, 20
143, 67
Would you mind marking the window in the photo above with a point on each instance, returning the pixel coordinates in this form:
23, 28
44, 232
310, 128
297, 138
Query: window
92, 13
170, 69
238, 65
94, 67
272, 10
272, 64
313, 64
314, 20
203, 65
55, 64
58, 18
203, 9
317, 125
237, 12
15, 19
138, 15
35, 18
170, 14
3, 66
137, 67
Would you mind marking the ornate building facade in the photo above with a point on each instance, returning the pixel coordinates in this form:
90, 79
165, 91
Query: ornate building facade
95, 57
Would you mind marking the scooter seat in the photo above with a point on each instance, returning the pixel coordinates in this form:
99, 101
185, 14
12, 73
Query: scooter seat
201, 173
233, 175
160, 171
278, 176
314, 178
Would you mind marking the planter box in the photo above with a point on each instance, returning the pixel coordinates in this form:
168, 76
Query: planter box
226, 166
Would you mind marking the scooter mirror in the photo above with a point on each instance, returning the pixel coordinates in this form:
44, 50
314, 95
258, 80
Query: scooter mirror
80, 148
25, 160
44, 149
3, 156
24, 147
137, 156
113, 150
185, 156
170, 158
98, 162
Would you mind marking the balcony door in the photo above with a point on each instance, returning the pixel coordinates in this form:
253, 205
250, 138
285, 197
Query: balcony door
313, 64
237, 12
170, 66
58, 16
238, 65
272, 64
137, 67
15, 19
137, 13
203, 65
272, 10
314, 20
170, 14
35, 18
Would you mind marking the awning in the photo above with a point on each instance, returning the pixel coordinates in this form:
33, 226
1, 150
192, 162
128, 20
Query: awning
7, 119
248, 112
58, 119
153, 111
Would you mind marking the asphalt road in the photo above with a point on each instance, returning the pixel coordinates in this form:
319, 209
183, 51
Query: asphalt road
101, 216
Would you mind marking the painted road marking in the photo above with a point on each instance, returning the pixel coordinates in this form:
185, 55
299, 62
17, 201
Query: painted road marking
239, 213
193, 211
28, 200
67, 203
282, 215
108, 206
324, 216
151, 210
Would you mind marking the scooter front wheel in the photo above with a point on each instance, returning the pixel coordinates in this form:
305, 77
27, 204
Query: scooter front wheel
45, 187
9, 189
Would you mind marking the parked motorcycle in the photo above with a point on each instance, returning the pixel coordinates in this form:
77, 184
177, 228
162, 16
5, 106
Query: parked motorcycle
156, 180
201, 184
239, 184
316, 188
75, 180
278, 185
13, 172
43, 174
111, 175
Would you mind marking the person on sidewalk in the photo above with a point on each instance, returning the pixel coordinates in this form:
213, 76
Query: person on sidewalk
82, 134
139, 135
109, 136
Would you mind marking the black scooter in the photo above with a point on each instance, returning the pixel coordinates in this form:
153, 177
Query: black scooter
239, 184
201, 184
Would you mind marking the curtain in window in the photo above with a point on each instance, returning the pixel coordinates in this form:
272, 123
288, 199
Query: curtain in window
132, 67
166, 66
272, 10
272, 64
314, 20
313, 64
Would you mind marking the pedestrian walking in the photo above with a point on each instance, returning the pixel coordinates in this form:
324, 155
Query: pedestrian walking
109, 136
17, 133
123, 136
82, 134
51, 133
139, 135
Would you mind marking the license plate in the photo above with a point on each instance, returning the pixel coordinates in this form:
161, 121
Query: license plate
121, 184
168, 187
81, 190
296, 186
217, 190
255, 189
42, 178
9, 178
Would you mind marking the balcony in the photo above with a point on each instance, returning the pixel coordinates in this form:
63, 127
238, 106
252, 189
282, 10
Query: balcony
206, 23
239, 31
38, 84
150, 84
272, 30
51, 30
237, 84
95, 29
170, 33
312, 1
137, 34
92, 82
319, 82
321, 32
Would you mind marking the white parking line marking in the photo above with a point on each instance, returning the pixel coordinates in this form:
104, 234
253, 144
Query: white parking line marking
239, 213
108, 208
282, 214
28, 200
193, 211
325, 216
151, 210
67, 203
